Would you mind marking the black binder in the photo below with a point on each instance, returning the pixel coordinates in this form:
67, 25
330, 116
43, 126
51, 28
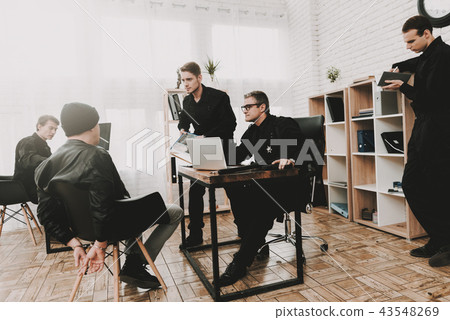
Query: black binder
366, 141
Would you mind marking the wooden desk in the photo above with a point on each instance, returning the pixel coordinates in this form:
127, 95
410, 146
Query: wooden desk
212, 180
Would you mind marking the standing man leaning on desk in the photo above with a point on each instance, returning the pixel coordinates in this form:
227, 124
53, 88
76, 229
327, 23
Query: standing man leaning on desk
31, 151
426, 178
256, 204
210, 112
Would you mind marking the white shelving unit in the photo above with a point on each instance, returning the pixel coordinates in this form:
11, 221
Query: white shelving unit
373, 173
337, 170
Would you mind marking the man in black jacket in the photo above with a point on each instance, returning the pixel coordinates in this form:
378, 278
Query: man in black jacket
255, 204
427, 172
81, 163
31, 151
210, 113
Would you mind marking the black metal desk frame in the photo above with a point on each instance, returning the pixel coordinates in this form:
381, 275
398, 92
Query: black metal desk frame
214, 290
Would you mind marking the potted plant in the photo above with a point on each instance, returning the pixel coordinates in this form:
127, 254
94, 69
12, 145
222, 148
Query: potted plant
211, 67
333, 73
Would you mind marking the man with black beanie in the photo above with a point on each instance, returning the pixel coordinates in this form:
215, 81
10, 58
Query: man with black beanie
81, 163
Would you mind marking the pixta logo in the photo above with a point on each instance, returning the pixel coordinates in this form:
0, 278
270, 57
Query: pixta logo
144, 152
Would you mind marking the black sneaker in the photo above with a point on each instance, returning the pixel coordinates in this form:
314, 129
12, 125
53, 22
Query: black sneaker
194, 239
263, 253
233, 273
426, 251
134, 272
441, 258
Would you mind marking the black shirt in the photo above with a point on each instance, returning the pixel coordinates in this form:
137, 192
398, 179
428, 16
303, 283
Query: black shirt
271, 129
211, 116
430, 93
30, 152
430, 99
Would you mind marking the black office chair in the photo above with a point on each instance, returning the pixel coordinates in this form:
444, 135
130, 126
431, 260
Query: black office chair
13, 192
311, 128
77, 205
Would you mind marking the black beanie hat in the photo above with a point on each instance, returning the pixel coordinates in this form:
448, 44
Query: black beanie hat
77, 118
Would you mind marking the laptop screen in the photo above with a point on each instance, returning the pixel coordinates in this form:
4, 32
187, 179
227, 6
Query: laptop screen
105, 135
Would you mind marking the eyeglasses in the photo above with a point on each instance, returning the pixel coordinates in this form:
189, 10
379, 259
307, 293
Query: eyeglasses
247, 107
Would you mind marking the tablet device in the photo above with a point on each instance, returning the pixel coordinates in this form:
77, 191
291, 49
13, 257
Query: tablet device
393, 76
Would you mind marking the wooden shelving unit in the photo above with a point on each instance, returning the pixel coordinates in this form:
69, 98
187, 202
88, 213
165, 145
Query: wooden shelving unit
336, 171
170, 129
373, 173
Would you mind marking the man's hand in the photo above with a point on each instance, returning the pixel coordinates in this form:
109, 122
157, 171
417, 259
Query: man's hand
182, 131
394, 84
94, 259
78, 251
79, 255
283, 163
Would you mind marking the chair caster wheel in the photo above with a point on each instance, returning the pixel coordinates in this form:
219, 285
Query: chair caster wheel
324, 247
309, 208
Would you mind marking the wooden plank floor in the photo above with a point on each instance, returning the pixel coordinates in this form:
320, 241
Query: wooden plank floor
362, 264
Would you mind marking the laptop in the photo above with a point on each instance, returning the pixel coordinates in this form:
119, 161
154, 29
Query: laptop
105, 135
336, 108
206, 153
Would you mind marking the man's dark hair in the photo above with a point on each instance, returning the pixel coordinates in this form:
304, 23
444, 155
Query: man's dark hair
191, 67
260, 97
43, 120
420, 23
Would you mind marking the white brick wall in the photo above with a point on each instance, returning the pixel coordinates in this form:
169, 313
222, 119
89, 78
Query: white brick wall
369, 47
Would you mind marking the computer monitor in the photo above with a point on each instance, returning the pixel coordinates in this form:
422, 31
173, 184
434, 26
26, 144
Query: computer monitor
105, 135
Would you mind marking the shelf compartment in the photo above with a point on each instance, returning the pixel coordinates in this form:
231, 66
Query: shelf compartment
336, 140
363, 170
363, 199
356, 126
386, 125
338, 195
361, 97
337, 169
389, 169
317, 105
392, 210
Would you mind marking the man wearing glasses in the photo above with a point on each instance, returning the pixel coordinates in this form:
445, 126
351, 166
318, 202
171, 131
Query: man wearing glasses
256, 205
209, 111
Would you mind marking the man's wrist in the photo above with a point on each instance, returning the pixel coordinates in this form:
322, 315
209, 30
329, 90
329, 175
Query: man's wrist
100, 245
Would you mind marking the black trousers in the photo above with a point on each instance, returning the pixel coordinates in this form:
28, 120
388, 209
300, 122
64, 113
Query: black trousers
256, 205
426, 182
196, 205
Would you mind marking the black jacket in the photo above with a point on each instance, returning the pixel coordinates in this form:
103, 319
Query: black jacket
430, 95
87, 167
271, 129
211, 116
30, 152
288, 192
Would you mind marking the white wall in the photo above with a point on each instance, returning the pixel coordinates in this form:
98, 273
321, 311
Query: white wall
369, 47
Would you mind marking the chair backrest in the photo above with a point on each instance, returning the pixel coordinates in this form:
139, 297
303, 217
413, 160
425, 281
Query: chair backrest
312, 128
77, 205
12, 191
